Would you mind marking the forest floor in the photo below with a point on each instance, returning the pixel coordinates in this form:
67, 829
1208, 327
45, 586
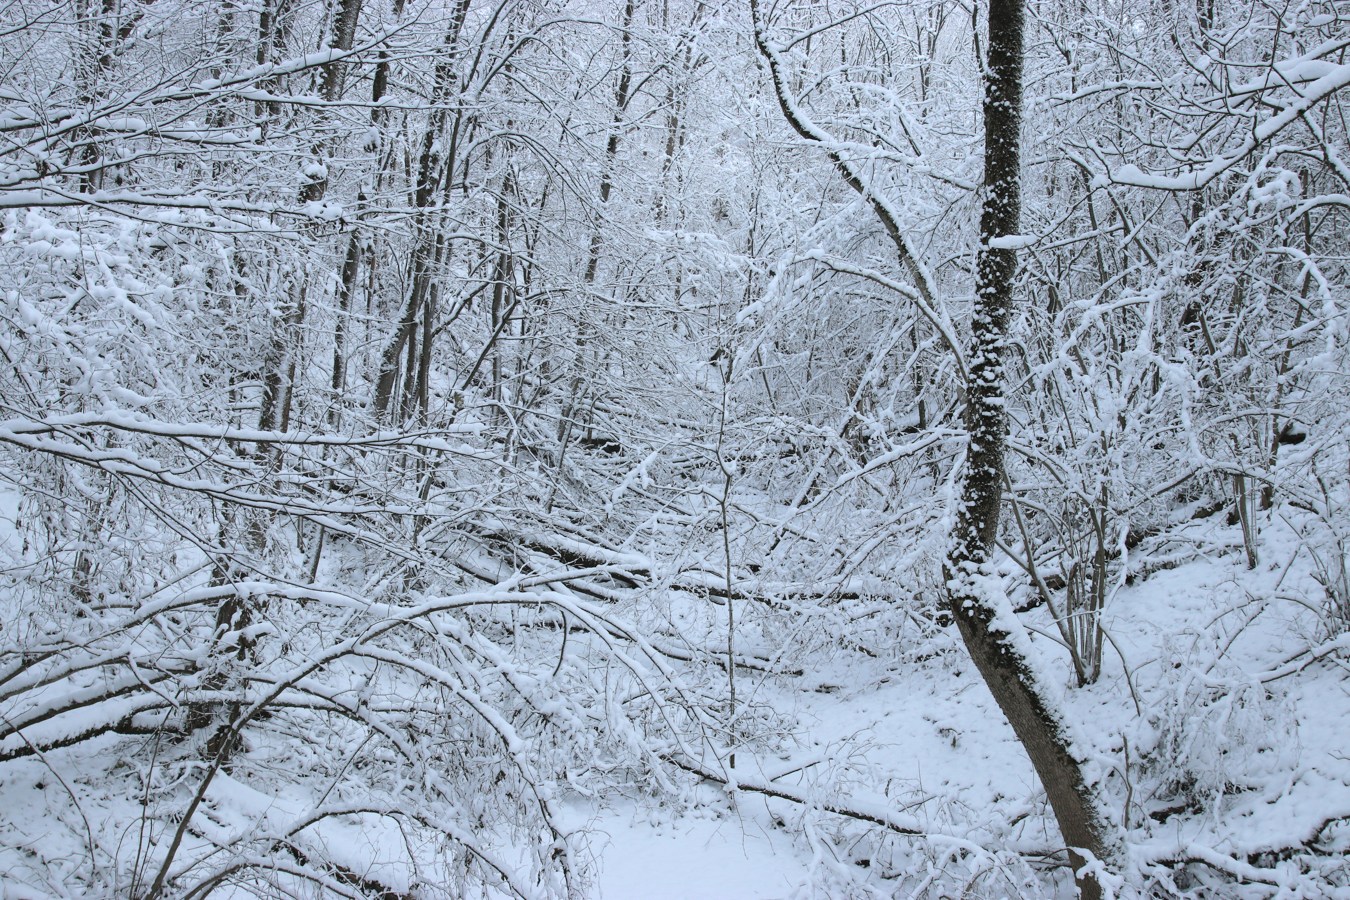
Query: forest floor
1238, 749
1234, 758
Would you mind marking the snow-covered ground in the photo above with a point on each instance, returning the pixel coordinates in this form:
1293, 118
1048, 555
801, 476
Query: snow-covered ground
1234, 758
1236, 754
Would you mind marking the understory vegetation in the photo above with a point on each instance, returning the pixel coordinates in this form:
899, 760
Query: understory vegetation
444, 441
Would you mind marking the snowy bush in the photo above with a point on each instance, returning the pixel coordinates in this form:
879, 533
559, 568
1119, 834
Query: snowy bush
1215, 735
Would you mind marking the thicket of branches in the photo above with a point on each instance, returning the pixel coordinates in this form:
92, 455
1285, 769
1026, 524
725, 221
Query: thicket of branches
419, 414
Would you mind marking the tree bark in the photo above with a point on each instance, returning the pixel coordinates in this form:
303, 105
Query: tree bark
982, 613
985, 618
346, 15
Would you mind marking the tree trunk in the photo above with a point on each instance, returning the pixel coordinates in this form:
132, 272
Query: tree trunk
985, 618
982, 612
436, 163
345, 18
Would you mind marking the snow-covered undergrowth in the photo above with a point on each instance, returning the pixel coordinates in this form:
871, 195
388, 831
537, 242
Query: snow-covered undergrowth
1216, 735
463, 449
521, 740
255, 660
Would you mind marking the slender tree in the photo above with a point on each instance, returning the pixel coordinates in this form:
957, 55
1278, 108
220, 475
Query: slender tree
983, 613
981, 610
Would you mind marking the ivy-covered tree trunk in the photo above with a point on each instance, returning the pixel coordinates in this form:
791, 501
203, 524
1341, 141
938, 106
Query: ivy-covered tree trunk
982, 612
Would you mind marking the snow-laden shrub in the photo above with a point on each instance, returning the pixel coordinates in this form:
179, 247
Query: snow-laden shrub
1327, 534
1216, 732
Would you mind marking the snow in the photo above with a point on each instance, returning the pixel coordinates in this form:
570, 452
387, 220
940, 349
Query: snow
618, 618
928, 738
710, 854
1013, 242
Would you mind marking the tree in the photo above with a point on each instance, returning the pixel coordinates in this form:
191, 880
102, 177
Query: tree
980, 607
437, 414
984, 616
159, 364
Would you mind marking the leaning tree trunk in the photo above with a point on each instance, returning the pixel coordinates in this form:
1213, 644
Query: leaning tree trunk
984, 617
982, 612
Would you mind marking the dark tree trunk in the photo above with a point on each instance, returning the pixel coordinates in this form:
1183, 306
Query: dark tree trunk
622, 95
435, 169
987, 622
345, 19
984, 617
